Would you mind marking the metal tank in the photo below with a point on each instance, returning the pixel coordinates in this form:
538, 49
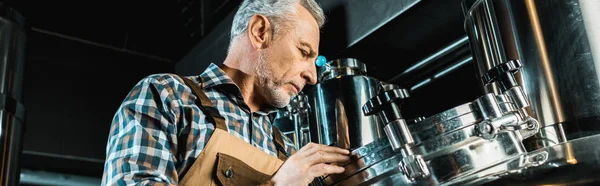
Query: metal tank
554, 43
335, 116
12, 111
558, 43
460, 146
454, 147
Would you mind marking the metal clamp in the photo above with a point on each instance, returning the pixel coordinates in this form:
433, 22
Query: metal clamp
523, 162
489, 129
531, 127
495, 119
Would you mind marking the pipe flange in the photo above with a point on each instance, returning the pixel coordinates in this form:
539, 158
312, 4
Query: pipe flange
493, 74
391, 93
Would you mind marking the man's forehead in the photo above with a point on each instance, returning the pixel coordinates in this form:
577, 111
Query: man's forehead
308, 34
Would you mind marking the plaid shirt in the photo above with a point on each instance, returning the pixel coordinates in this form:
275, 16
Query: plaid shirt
158, 131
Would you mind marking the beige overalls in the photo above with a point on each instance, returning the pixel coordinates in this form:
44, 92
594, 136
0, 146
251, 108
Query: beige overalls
226, 159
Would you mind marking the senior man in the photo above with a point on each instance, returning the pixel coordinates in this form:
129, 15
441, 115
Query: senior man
216, 128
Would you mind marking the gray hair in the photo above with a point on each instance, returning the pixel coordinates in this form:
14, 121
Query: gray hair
277, 12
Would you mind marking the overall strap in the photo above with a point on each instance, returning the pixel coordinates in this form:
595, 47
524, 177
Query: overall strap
205, 104
279, 145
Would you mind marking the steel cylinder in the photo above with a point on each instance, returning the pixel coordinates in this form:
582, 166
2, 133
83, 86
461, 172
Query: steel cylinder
12, 113
559, 46
335, 102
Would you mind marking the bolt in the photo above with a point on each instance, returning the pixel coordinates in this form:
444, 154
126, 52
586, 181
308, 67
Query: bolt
531, 125
486, 129
539, 157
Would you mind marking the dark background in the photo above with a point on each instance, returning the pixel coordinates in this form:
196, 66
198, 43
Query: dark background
83, 57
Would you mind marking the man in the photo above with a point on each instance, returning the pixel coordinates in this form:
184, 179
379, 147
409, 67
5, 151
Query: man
215, 128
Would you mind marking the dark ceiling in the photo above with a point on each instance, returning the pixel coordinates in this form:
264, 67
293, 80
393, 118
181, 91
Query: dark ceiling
417, 33
167, 30
162, 29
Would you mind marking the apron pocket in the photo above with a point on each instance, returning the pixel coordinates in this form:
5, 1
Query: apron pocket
232, 171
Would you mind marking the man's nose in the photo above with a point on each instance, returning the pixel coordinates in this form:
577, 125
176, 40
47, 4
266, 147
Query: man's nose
310, 74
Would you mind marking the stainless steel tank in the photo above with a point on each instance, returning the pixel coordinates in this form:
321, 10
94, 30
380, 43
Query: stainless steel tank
335, 116
12, 111
572, 163
460, 146
554, 42
558, 43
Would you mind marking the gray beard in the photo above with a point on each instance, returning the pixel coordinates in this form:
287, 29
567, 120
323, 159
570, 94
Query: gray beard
274, 94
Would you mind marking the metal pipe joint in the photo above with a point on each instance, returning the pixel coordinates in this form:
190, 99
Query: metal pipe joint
386, 105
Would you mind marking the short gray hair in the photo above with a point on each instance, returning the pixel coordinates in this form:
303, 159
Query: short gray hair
277, 11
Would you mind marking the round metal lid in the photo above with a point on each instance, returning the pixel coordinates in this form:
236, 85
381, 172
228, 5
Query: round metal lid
340, 67
363, 158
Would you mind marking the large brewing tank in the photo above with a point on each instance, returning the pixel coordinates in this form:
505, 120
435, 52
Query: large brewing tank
12, 112
335, 102
558, 43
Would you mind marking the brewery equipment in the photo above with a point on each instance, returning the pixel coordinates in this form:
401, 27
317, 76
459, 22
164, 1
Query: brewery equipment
557, 43
480, 134
536, 121
335, 116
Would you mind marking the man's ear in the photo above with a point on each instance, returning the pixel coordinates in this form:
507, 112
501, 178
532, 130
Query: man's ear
260, 31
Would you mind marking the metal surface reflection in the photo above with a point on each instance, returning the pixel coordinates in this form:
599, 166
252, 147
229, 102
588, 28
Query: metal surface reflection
557, 44
292, 121
335, 116
450, 148
484, 39
576, 162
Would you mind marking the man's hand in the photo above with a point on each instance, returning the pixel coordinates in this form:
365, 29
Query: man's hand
309, 162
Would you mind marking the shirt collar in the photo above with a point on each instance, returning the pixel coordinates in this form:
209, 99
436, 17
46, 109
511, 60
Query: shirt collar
214, 76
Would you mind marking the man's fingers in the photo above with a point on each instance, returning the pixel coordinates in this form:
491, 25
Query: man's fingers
325, 169
312, 161
326, 157
324, 148
306, 147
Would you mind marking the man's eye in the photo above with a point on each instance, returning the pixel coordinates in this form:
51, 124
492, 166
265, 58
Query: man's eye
304, 53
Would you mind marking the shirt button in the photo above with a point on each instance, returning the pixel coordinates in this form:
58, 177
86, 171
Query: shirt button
228, 173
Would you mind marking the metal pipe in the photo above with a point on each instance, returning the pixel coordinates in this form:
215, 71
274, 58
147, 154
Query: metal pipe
31, 177
484, 40
427, 62
438, 74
